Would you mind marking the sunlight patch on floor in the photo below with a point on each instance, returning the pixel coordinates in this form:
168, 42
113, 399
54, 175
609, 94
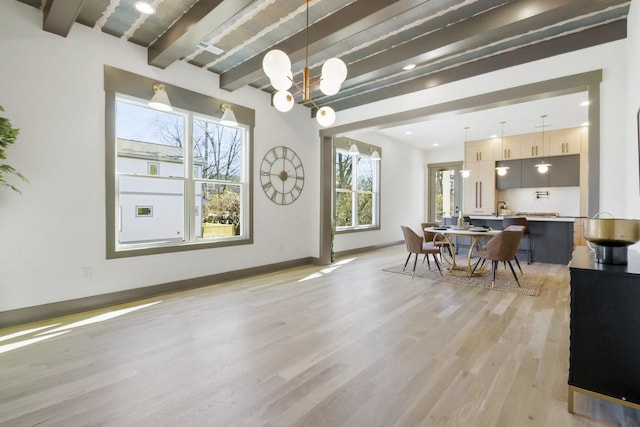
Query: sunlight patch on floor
327, 270
63, 329
24, 343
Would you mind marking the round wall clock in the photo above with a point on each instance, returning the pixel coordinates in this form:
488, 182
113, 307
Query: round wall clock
282, 175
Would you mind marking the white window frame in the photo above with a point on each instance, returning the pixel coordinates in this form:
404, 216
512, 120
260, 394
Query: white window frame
364, 148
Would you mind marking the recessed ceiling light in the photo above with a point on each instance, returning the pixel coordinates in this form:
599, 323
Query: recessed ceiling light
409, 67
584, 103
585, 124
144, 7
435, 145
408, 132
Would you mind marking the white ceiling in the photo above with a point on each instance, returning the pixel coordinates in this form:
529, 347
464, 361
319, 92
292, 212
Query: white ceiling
448, 132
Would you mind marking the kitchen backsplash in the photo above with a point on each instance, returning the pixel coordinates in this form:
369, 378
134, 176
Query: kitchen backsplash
563, 200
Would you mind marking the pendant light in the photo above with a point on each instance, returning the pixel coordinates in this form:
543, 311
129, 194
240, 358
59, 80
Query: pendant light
543, 166
466, 173
502, 170
277, 66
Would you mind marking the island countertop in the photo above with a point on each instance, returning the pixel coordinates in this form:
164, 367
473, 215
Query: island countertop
529, 218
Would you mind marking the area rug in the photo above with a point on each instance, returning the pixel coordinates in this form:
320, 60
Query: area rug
530, 282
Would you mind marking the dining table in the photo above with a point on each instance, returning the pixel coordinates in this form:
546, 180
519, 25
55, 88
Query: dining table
447, 246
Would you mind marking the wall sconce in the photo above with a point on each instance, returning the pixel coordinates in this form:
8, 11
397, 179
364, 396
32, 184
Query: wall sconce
228, 118
374, 154
353, 150
160, 100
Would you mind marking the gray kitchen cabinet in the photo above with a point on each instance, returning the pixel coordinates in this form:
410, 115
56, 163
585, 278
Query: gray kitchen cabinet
565, 171
513, 178
531, 178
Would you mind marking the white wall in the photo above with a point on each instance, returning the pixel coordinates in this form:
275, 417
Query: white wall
632, 194
53, 242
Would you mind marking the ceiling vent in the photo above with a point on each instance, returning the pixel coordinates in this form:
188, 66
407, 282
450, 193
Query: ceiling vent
210, 48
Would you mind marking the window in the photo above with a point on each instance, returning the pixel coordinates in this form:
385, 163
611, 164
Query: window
356, 191
153, 168
181, 178
144, 210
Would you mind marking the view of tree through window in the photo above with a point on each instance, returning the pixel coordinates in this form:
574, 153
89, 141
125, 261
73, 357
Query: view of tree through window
356, 191
217, 180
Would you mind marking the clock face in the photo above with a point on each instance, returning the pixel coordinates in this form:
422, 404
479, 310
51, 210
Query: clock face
282, 175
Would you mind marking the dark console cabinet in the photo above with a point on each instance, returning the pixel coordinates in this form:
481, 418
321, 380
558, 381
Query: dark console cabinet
605, 329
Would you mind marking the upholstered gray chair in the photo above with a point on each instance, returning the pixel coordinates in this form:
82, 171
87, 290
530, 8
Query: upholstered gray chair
436, 238
415, 245
501, 247
522, 229
520, 220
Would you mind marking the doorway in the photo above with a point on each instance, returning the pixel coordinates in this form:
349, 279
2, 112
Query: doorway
445, 190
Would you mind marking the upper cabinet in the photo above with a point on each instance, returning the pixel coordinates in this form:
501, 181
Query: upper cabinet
480, 151
561, 142
567, 141
510, 149
533, 145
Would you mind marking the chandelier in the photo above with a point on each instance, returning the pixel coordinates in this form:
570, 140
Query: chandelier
277, 66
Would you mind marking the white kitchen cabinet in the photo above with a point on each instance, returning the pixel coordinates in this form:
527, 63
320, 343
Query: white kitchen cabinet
480, 151
511, 149
565, 142
533, 145
479, 190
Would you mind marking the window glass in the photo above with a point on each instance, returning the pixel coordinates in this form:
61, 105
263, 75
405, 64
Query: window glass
218, 150
356, 191
344, 171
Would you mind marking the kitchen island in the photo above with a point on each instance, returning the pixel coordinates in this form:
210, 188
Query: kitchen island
551, 236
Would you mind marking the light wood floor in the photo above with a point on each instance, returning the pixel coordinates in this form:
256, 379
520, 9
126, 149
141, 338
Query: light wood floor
346, 345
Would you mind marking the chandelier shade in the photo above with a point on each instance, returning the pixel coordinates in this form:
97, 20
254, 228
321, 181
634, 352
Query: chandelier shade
326, 116
283, 101
276, 63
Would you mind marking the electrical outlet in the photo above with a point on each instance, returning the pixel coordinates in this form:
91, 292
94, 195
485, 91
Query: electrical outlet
86, 272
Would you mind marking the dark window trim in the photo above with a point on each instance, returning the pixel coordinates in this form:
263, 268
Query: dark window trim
124, 82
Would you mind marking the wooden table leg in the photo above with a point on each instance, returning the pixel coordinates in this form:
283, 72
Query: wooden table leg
570, 400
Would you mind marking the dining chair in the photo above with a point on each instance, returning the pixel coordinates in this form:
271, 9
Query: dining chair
501, 247
436, 238
415, 245
520, 220
522, 229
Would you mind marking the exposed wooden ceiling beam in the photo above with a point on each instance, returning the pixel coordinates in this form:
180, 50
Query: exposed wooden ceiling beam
59, 15
497, 24
194, 26
352, 19
594, 36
